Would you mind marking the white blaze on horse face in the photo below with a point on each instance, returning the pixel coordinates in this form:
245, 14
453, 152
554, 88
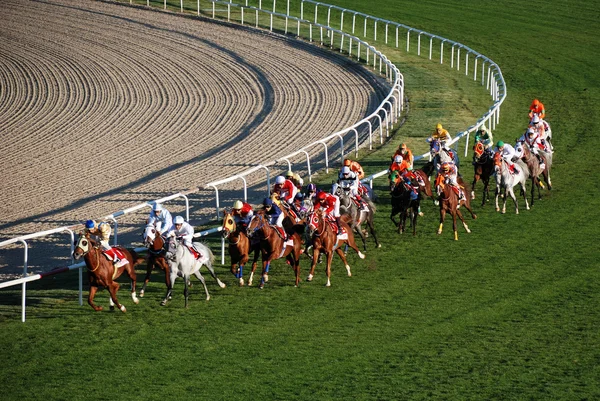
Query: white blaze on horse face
83, 244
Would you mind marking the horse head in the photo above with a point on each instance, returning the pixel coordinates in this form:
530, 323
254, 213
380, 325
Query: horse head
435, 146
256, 224
478, 149
83, 245
394, 178
315, 222
228, 225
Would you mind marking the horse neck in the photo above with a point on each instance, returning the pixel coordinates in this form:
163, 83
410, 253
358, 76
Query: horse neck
158, 244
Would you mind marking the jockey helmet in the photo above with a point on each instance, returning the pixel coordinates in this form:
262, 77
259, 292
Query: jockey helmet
280, 180
530, 131
403, 146
482, 128
398, 159
345, 170
238, 204
299, 196
157, 207
289, 174
439, 126
347, 162
267, 202
499, 144
321, 196
178, 220
536, 102
311, 187
297, 177
535, 119
90, 224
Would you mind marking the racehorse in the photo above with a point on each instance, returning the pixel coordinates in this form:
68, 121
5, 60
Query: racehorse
156, 256
442, 155
240, 248
357, 217
183, 263
324, 239
535, 170
102, 272
272, 246
403, 201
506, 181
449, 203
483, 170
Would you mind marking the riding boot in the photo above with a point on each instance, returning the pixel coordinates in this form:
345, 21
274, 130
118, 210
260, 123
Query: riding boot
339, 226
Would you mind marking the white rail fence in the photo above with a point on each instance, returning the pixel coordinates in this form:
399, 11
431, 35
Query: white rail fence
383, 118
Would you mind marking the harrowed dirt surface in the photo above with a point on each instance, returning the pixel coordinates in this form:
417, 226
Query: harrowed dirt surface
104, 106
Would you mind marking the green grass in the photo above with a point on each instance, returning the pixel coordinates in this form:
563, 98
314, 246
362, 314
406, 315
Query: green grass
507, 312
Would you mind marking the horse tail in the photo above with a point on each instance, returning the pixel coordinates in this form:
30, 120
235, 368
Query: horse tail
371, 205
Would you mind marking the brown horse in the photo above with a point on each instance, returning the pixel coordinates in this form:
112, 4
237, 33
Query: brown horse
535, 170
325, 240
102, 272
155, 257
449, 203
483, 166
403, 202
272, 246
240, 247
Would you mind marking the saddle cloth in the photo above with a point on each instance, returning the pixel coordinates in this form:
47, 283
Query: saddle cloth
110, 254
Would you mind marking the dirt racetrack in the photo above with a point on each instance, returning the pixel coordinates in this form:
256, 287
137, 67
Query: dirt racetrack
104, 106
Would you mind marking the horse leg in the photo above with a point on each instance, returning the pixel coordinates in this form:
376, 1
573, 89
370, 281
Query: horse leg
149, 267
113, 288
524, 190
343, 257
504, 201
328, 270
296, 259
351, 242
454, 225
415, 213
372, 230
462, 219
211, 270
200, 277
92, 294
133, 278
475, 179
511, 192
186, 289
265, 272
442, 217
316, 253
358, 230
169, 294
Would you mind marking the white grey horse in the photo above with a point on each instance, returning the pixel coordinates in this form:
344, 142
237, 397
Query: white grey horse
506, 181
183, 264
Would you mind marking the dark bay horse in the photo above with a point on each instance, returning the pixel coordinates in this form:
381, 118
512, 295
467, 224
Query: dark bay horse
324, 239
240, 248
102, 272
155, 257
357, 217
272, 246
449, 203
483, 169
403, 203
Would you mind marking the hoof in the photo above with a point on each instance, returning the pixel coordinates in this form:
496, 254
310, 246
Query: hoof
328, 284
421, 214
266, 277
112, 307
208, 298
309, 278
136, 300
123, 309
241, 282
378, 245
163, 302
361, 255
142, 294
222, 284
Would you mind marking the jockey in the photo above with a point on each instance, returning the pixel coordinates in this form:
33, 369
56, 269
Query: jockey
449, 171
406, 154
508, 154
285, 188
275, 216
355, 167
295, 179
537, 108
184, 232
440, 134
242, 214
485, 137
311, 193
399, 164
102, 232
160, 218
535, 143
331, 204
349, 179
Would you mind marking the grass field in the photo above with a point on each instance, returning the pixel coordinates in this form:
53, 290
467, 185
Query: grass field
510, 311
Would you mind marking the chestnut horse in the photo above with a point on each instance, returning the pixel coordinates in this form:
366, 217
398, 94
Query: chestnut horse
272, 246
483, 167
449, 203
102, 272
325, 240
240, 248
155, 257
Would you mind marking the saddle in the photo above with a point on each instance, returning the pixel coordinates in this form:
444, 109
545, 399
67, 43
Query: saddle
110, 254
